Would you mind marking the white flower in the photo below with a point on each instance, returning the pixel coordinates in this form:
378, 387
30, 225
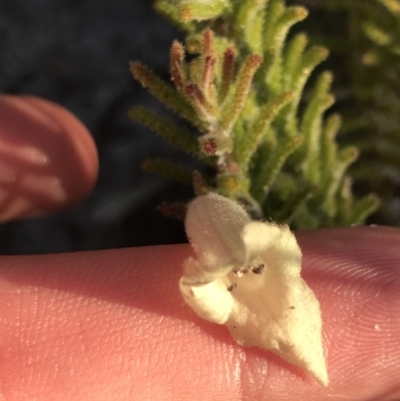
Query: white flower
247, 276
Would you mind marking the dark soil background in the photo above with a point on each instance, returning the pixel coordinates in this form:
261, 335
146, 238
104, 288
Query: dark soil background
77, 53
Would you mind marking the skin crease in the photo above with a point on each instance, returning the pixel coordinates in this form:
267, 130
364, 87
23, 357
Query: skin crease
111, 325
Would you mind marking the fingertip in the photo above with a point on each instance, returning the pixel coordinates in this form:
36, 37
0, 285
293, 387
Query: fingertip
353, 271
48, 158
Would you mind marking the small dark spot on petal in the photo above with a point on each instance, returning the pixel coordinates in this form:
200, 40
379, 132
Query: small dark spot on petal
258, 269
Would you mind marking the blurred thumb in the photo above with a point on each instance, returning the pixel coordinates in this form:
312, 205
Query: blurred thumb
48, 160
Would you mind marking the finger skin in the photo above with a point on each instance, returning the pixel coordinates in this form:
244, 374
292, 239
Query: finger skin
48, 160
111, 325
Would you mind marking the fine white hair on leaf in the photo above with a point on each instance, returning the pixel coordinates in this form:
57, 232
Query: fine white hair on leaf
246, 275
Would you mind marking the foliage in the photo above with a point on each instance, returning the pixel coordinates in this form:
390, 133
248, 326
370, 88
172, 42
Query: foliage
369, 42
240, 81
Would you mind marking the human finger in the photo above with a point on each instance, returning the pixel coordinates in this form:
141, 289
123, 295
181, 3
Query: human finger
48, 160
111, 325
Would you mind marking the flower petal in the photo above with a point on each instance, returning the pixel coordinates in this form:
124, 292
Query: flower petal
248, 277
204, 298
213, 225
275, 243
284, 318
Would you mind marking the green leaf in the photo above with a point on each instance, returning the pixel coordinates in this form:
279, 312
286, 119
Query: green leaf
392, 5
250, 19
362, 208
235, 103
171, 132
312, 57
294, 204
246, 144
332, 184
201, 10
311, 126
329, 146
168, 169
292, 58
291, 16
163, 92
263, 182
170, 12
274, 10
